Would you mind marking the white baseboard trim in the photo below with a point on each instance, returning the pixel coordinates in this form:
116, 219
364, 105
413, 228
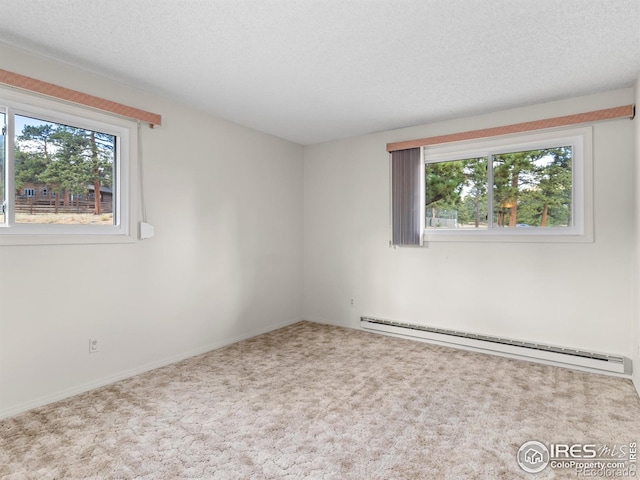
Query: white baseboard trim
101, 382
513, 356
569, 357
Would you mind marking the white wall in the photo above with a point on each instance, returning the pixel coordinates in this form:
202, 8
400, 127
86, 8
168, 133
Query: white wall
226, 262
575, 295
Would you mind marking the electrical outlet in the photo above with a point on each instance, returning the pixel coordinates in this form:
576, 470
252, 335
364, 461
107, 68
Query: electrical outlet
352, 302
94, 345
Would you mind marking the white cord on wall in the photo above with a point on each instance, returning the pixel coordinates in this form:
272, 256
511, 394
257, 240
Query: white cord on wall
146, 229
143, 206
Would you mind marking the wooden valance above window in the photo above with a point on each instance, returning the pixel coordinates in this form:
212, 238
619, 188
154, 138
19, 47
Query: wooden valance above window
49, 89
626, 111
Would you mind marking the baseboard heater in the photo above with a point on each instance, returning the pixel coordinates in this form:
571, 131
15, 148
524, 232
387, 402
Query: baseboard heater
535, 351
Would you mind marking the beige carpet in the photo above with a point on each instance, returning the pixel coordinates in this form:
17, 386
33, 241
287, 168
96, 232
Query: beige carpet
320, 402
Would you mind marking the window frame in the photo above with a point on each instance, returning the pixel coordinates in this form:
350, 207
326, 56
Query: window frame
580, 140
125, 162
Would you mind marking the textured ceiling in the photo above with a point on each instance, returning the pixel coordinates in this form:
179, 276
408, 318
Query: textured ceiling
317, 70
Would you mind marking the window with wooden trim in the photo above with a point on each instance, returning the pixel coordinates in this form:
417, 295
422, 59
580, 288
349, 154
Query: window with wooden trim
529, 187
65, 172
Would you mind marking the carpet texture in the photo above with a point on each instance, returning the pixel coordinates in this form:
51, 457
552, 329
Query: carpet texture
321, 402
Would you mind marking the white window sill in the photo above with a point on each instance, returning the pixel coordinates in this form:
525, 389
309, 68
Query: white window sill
541, 236
64, 239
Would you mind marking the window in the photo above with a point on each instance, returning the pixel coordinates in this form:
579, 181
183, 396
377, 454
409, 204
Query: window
534, 187
64, 173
